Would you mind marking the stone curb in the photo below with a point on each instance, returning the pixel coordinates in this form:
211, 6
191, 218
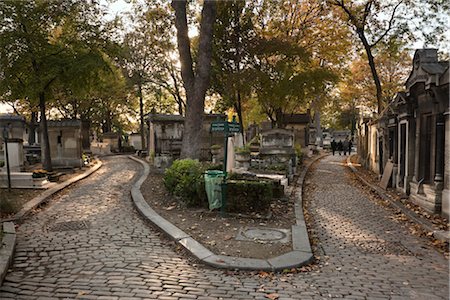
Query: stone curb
7, 247
426, 225
33, 203
301, 254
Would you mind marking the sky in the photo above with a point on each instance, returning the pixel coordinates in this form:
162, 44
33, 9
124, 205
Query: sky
118, 7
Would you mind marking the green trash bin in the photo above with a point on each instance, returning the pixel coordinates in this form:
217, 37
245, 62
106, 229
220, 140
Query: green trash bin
213, 181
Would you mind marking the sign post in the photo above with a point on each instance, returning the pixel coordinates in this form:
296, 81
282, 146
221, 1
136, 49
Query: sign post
227, 128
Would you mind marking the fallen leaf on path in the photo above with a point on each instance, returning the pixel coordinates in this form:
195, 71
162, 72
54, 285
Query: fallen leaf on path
272, 296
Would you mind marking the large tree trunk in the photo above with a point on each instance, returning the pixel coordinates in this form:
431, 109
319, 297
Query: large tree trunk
45, 144
238, 108
196, 83
141, 114
32, 133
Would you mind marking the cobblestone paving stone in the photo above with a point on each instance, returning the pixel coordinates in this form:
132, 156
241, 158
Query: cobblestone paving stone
108, 252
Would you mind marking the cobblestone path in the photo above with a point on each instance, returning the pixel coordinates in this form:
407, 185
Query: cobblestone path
89, 243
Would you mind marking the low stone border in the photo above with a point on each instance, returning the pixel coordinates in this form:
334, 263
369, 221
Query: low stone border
7, 247
301, 254
426, 225
35, 202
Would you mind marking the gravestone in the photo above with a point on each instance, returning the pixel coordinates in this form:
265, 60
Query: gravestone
386, 174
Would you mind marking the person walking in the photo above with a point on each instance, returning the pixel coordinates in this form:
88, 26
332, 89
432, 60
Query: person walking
350, 145
345, 146
339, 147
333, 146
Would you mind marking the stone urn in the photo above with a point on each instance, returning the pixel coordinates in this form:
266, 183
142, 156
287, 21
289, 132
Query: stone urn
215, 152
242, 159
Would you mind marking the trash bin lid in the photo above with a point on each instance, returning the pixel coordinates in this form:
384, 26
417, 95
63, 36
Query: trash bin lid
214, 173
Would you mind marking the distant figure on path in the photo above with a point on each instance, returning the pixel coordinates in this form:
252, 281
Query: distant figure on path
333, 146
350, 145
345, 146
339, 147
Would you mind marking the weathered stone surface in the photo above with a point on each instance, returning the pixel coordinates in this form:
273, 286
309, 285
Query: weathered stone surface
122, 256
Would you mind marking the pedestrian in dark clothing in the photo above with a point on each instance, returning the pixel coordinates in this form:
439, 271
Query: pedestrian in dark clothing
339, 147
345, 146
333, 146
350, 144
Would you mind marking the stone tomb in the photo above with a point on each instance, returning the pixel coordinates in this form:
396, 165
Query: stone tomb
65, 143
98, 148
15, 127
113, 139
277, 149
15, 155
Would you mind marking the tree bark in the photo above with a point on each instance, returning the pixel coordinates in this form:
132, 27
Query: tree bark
376, 78
238, 108
32, 133
45, 143
141, 114
196, 83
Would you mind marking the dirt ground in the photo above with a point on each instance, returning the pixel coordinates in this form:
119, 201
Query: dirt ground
12, 201
216, 232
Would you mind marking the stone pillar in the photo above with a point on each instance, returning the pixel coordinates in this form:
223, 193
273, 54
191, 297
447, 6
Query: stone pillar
410, 152
446, 167
417, 152
151, 139
230, 156
439, 158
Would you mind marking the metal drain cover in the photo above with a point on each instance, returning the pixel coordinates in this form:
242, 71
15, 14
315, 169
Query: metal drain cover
264, 234
69, 226
382, 247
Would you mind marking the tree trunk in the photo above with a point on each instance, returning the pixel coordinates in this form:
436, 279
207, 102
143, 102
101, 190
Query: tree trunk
238, 108
376, 78
176, 94
279, 118
196, 83
32, 133
141, 114
45, 144
106, 127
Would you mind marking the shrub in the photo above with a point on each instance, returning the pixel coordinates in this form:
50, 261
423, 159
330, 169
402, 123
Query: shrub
242, 150
249, 196
185, 179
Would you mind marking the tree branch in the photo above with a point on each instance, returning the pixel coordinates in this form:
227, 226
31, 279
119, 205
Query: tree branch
391, 21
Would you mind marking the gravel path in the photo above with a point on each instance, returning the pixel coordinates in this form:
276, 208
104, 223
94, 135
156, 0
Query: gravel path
89, 243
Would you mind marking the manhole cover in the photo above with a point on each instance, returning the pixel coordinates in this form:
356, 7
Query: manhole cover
263, 234
382, 247
68, 226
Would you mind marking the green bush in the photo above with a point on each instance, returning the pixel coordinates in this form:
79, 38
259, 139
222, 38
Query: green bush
2, 163
249, 196
185, 179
